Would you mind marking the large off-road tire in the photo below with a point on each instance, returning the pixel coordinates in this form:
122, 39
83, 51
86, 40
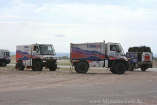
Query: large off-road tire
119, 68
81, 67
112, 70
37, 66
3, 64
20, 66
143, 68
53, 67
33, 68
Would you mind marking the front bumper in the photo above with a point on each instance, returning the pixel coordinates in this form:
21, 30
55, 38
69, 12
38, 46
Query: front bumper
48, 62
8, 61
147, 64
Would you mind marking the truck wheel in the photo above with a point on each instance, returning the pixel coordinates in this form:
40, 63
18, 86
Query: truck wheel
37, 66
81, 67
143, 69
112, 70
119, 68
3, 64
33, 68
53, 67
20, 65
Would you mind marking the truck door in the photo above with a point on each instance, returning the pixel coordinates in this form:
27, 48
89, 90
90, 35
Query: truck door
115, 49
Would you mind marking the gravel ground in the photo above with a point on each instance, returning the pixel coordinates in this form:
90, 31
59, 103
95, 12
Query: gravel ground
11, 79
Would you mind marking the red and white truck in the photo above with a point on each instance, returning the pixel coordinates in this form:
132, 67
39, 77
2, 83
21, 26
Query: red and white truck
4, 57
36, 56
140, 57
101, 54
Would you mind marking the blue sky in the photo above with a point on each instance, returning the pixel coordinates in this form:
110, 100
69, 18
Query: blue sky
61, 22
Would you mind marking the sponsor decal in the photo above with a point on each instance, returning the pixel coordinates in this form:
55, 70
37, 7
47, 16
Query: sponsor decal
26, 46
93, 46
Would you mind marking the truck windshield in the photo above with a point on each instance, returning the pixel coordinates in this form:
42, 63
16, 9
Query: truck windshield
114, 48
46, 50
118, 48
7, 53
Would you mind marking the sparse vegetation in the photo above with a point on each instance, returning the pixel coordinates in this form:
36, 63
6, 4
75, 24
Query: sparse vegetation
64, 58
64, 62
155, 58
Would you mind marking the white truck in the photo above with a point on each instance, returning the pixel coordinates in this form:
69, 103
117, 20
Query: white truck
140, 57
101, 54
4, 57
35, 57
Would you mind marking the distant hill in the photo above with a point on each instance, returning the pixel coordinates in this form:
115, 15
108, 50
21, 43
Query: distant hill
62, 54
12, 53
155, 55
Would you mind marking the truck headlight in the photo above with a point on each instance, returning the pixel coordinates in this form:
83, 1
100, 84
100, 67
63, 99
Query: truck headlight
44, 60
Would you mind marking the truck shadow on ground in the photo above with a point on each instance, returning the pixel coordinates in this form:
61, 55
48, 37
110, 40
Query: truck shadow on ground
109, 73
139, 71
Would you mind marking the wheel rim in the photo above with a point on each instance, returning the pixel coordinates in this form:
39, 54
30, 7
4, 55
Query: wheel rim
120, 68
19, 65
82, 67
3, 64
143, 68
37, 65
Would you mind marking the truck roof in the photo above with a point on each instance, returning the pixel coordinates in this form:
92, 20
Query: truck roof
4, 50
33, 44
93, 43
87, 43
111, 42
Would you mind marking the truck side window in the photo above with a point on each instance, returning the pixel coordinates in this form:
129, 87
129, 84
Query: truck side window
6, 53
34, 48
112, 48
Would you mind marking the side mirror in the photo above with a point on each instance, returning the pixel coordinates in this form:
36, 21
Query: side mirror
37, 49
54, 52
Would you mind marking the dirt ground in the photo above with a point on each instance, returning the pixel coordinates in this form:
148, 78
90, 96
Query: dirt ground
11, 79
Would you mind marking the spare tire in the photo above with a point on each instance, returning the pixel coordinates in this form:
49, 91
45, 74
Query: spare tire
135, 49
130, 49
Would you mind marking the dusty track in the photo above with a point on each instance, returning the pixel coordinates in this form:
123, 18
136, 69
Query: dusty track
11, 79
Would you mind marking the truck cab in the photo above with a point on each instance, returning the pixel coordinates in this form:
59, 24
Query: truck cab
114, 49
36, 56
115, 56
4, 57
